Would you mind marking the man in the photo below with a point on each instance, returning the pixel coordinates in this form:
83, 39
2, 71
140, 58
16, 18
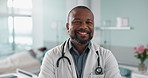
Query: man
78, 57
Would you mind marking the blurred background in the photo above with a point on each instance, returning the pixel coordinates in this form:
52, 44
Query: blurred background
120, 25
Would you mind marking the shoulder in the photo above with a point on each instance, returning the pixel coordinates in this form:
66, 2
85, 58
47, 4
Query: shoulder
54, 51
102, 51
52, 55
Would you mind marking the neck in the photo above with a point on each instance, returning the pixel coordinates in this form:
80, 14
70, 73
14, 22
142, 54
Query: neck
80, 48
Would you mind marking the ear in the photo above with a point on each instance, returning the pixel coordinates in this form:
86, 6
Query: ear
67, 26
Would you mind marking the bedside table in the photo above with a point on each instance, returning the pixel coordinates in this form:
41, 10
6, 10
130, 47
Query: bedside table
137, 74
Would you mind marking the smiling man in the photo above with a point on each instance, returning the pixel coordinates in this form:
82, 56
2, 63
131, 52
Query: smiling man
80, 27
78, 57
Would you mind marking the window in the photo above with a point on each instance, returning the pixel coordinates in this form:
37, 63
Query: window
22, 29
15, 25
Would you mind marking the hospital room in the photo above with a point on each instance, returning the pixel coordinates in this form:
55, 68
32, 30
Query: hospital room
30, 28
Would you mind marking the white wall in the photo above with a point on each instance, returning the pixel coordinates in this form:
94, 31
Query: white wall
4, 32
95, 7
37, 15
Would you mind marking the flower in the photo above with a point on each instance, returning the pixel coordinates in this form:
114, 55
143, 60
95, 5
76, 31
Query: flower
141, 52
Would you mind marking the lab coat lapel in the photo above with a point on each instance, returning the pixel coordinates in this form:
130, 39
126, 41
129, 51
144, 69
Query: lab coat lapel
72, 66
90, 63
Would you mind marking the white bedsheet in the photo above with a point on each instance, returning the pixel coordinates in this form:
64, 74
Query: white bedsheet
22, 60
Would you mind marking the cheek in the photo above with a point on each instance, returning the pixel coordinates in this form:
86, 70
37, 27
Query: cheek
92, 30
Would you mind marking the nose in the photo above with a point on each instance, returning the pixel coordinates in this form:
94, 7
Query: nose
83, 25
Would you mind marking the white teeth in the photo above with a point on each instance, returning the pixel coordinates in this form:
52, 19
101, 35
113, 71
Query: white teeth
83, 33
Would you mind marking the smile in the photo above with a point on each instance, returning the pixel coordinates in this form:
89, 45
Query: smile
83, 33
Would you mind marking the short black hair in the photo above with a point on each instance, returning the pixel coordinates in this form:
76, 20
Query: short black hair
77, 7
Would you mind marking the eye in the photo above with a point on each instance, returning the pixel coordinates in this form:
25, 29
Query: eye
76, 22
89, 22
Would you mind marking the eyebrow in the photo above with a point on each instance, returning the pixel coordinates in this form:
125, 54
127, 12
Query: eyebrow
80, 19
76, 19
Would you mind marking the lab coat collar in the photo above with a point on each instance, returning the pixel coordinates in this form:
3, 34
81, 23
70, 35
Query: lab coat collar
89, 64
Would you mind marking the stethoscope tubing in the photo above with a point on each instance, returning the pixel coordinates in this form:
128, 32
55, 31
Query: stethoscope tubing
98, 70
63, 56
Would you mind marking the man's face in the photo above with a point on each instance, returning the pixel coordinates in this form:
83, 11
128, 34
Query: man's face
80, 25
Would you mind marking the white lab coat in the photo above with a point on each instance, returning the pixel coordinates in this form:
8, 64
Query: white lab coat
65, 70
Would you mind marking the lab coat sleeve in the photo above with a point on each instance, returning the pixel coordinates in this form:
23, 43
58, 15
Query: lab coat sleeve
47, 67
111, 66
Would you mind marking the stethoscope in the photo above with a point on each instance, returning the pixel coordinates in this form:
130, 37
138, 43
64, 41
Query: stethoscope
98, 70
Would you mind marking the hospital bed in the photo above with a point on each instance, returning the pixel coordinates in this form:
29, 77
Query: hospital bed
22, 60
19, 74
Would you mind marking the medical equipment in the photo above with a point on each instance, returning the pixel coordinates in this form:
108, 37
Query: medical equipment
63, 56
24, 74
98, 69
19, 74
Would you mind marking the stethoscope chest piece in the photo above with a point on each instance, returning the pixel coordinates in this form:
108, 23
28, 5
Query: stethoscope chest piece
98, 70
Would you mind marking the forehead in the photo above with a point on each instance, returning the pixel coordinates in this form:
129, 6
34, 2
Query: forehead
80, 13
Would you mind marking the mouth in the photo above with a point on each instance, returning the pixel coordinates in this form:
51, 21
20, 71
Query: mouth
82, 36
83, 33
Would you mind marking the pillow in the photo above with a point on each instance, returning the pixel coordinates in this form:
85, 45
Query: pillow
124, 71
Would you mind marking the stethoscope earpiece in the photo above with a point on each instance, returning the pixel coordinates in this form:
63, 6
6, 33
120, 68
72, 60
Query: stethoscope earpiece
98, 70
